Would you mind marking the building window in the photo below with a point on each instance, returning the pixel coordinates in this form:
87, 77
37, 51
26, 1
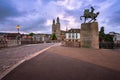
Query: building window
73, 35
76, 36
115, 38
69, 36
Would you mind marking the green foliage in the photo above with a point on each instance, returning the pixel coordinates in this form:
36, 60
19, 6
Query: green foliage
101, 34
31, 34
105, 37
53, 36
108, 38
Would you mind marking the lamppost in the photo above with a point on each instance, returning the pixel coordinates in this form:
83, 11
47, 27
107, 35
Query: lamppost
18, 28
18, 36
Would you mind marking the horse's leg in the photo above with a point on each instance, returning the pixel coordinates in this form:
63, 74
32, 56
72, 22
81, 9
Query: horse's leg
90, 20
81, 17
94, 20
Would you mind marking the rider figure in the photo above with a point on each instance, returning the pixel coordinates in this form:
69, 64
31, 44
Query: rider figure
92, 9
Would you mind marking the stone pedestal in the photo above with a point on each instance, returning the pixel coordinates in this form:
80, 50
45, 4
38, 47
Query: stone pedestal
89, 35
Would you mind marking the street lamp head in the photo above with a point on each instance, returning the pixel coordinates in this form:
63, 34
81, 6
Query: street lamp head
18, 26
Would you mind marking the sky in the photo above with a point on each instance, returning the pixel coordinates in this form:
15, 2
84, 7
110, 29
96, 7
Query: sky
37, 15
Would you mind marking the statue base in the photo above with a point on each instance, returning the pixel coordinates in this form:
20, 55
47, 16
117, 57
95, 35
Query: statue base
89, 35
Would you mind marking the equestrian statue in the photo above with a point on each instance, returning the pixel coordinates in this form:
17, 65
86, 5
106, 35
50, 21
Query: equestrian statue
89, 14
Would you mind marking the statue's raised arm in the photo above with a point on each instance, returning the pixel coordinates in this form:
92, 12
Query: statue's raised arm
92, 9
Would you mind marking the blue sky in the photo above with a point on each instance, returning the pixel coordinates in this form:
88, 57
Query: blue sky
37, 15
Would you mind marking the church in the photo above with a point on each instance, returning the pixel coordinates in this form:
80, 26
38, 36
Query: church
57, 31
71, 36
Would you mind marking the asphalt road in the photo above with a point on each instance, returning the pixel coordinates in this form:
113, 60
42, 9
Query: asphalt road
12, 56
58, 64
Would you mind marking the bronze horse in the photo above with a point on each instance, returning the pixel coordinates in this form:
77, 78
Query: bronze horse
88, 14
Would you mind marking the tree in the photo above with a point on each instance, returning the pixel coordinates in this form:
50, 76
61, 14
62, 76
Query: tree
101, 34
31, 34
108, 38
53, 36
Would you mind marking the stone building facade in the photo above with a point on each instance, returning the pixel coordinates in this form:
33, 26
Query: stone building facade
41, 37
72, 38
73, 35
116, 37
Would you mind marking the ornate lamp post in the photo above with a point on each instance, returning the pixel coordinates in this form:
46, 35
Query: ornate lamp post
18, 28
18, 36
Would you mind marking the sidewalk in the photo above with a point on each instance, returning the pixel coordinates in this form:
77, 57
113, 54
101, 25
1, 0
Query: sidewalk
13, 56
65, 63
109, 58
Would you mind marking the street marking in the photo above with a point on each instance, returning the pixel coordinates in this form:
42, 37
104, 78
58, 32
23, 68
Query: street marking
25, 59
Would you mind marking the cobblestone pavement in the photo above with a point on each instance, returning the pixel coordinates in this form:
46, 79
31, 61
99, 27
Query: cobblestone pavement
10, 56
65, 63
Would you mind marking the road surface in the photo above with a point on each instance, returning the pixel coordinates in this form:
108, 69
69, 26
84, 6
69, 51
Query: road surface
9, 57
64, 63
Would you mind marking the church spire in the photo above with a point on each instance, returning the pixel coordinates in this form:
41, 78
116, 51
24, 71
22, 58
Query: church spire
58, 22
53, 21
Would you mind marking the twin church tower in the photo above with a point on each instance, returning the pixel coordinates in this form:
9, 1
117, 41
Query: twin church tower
56, 28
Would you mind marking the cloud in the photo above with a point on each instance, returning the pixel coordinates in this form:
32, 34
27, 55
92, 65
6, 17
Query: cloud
70, 4
7, 10
37, 15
